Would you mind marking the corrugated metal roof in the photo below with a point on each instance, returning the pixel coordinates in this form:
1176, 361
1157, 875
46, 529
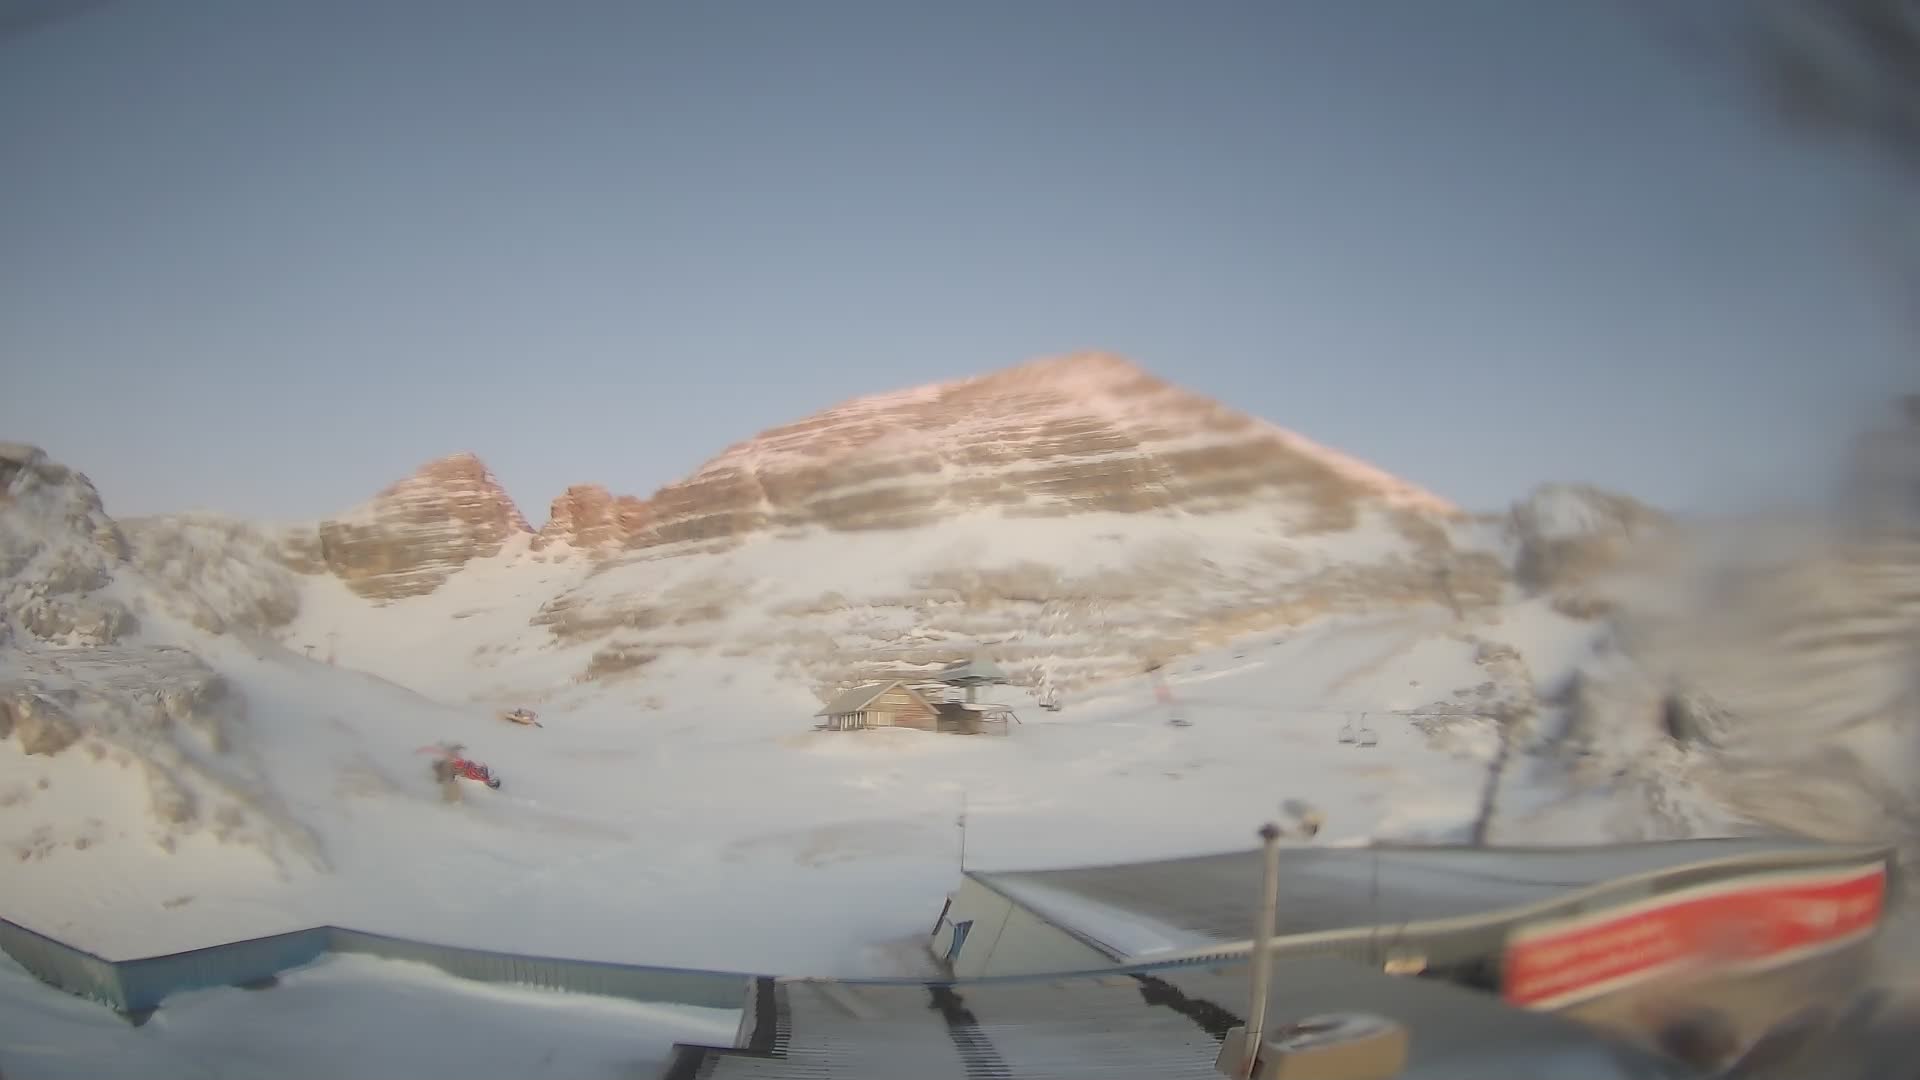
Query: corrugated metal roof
856, 699
1167, 1021
1343, 888
1154, 1024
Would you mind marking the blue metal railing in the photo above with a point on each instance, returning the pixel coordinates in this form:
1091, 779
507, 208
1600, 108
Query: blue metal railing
132, 986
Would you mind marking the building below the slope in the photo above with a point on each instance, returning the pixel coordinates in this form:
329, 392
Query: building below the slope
1455, 904
1533, 961
926, 705
878, 705
1535, 925
1152, 1023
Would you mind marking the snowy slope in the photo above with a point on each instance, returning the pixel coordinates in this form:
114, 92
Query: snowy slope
1086, 597
678, 809
345, 1016
660, 803
655, 833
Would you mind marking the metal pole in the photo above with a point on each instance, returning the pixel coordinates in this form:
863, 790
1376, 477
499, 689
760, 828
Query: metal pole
963, 832
1262, 966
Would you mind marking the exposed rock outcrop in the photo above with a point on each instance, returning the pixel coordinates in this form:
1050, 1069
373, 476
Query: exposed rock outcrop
219, 574
413, 535
591, 518
1565, 535
58, 552
76, 620
1088, 432
38, 721
165, 713
1081, 433
71, 681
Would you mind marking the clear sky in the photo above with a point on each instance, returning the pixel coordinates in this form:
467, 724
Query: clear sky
265, 256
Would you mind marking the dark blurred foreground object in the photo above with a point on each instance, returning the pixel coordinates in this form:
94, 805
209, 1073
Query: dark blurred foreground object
1847, 69
1869, 1035
1844, 66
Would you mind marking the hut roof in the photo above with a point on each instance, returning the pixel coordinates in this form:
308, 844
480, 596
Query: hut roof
858, 698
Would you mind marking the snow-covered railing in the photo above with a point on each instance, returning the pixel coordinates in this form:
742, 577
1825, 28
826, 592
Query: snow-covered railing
137, 986
76, 971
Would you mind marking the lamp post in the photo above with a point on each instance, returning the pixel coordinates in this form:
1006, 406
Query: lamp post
1262, 966
1305, 823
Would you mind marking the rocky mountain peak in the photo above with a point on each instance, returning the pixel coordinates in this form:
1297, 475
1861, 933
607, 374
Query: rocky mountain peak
589, 517
1079, 433
413, 535
1087, 432
464, 481
1091, 371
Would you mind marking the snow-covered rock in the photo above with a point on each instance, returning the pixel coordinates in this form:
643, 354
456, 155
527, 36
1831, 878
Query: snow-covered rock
1075, 509
214, 572
1565, 535
77, 678
58, 551
165, 718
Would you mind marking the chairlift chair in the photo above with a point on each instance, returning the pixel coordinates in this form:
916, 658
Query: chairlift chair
1366, 735
1346, 729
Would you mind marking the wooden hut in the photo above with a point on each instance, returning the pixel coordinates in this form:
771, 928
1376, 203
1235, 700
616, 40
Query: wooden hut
882, 704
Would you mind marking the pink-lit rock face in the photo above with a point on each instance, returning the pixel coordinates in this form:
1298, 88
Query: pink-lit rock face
413, 535
589, 517
1087, 432
1075, 434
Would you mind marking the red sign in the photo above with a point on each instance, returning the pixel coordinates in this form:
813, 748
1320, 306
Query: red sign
1755, 921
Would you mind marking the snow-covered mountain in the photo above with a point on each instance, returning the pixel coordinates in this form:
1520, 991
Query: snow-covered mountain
1077, 514
215, 726
1089, 432
414, 535
1083, 433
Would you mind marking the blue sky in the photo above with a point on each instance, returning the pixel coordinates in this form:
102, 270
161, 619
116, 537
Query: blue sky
264, 257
